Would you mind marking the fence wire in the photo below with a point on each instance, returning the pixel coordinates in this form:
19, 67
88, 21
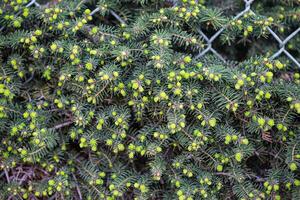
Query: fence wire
209, 41
281, 43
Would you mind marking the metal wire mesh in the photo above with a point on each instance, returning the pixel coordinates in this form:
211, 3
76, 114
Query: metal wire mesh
281, 43
209, 41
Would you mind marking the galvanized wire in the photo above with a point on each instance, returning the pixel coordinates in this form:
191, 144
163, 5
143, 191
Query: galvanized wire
209, 41
111, 12
281, 43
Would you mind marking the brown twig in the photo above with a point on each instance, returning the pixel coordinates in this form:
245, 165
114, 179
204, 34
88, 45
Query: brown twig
6, 175
77, 188
59, 126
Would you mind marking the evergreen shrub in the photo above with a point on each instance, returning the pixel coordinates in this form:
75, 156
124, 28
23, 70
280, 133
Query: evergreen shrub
107, 99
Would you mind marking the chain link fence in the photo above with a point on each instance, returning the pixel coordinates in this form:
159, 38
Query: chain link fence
209, 41
281, 43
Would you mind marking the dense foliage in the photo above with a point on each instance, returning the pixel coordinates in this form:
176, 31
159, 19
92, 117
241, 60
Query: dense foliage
106, 100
